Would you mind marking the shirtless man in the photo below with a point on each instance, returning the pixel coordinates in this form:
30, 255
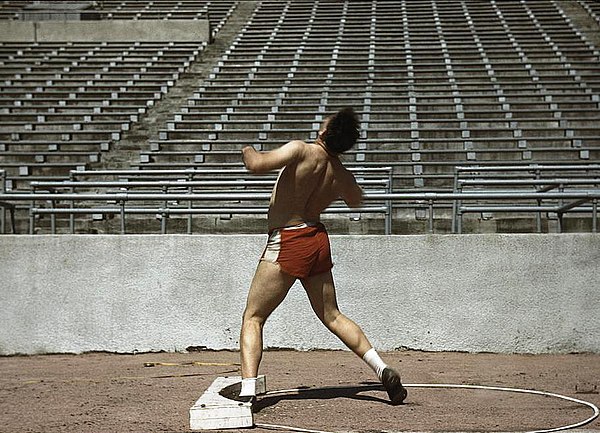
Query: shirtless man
298, 245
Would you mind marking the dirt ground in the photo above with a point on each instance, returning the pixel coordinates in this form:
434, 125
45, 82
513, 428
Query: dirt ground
101, 392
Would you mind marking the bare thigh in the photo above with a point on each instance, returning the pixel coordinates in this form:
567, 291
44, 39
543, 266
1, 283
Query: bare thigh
269, 288
321, 293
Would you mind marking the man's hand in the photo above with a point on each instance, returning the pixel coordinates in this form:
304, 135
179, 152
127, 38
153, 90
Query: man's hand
249, 154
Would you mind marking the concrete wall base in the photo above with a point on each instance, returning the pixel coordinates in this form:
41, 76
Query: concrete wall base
493, 293
105, 31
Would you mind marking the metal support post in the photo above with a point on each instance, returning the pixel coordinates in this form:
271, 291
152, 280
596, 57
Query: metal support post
32, 218
52, 218
163, 222
537, 176
595, 215
72, 216
388, 204
3, 214
122, 203
538, 219
189, 219
458, 216
455, 202
388, 217
3, 190
430, 216
12, 220
190, 206
561, 188
559, 216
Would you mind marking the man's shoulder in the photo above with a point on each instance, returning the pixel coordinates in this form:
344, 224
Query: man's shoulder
296, 146
302, 149
297, 143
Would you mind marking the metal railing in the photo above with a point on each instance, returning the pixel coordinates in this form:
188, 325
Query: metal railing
531, 175
200, 192
183, 183
557, 202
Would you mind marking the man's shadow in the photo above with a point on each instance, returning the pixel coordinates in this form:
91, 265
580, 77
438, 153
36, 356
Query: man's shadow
326, 393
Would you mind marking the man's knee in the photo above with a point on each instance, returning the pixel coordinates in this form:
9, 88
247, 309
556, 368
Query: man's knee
330, 317
252, 318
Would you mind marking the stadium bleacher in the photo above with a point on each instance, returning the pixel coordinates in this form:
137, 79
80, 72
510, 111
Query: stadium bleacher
459, 83
437, 84
59, 96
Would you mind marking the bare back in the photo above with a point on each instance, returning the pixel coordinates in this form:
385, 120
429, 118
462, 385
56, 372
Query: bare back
308, 185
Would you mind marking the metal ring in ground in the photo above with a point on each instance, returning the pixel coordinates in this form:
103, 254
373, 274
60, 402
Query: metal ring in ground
441, 385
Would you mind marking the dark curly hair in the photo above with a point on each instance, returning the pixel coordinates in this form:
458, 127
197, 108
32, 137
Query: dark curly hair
341, 132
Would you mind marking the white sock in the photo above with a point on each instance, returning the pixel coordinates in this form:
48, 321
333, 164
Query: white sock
374, 361
248, 387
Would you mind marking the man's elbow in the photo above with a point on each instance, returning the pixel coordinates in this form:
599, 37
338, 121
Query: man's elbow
355, 200
250, 166
354, 204
255, 167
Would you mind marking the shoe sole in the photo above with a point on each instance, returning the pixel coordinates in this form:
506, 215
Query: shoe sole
396, 392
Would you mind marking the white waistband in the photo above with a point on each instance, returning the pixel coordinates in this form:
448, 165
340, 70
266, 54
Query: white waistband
299, 226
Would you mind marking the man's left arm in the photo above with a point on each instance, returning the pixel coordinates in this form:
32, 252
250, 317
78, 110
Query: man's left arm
263, 162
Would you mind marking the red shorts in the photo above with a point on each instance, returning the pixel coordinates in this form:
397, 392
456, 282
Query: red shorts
301, 250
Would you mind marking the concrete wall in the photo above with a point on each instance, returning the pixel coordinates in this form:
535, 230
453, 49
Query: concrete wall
497, 293
105, 30
17, 31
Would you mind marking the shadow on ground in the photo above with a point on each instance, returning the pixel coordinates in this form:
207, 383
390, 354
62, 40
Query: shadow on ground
353, 392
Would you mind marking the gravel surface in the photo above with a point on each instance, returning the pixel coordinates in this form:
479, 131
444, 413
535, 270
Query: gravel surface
101, 392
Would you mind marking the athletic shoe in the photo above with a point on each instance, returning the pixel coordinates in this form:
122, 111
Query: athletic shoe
232, 392
391, 381
246, 399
